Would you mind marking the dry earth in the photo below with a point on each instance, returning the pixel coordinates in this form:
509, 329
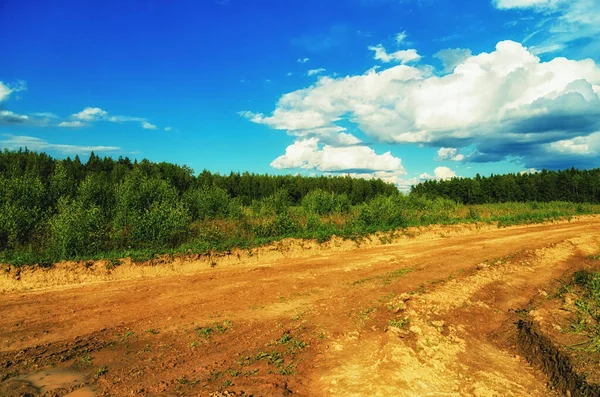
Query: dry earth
428, 315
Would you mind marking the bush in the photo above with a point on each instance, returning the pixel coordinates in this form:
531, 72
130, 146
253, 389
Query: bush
321, 202
208, 203
276, 204
77, 229
383, 212
21, 209
148, 213
164, 224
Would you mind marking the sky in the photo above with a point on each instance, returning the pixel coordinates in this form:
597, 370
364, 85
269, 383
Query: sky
402, 90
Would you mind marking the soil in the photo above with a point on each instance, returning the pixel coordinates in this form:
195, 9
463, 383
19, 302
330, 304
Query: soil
432, 313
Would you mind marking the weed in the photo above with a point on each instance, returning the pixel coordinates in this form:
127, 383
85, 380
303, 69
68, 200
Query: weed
400, 323
128, 334
152, 331
205, 332
86, 359
103, 370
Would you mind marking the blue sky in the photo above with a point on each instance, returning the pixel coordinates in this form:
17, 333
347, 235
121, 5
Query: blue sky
402, 90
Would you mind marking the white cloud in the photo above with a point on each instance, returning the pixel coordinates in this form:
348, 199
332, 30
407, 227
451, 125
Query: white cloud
90, 114
444, 173
452, 57
529, 171
309, 154
7, 89
168, 128
402, 56
401, 37
14, 142
148, 126
313, 72
581, 145
448, 153
507, 4
93, 114
4, 92
72, 124
440, 173
303, 60
565, 23
8, 117
504, 103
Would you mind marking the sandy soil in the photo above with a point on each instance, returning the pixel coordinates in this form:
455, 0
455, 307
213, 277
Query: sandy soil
431, 315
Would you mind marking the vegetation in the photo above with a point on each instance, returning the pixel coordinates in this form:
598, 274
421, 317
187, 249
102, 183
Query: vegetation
578, 186
52, 209
584, 292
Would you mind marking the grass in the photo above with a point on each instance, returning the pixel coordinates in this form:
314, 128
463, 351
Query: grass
585, 288
384, 215
103, 370
400, 323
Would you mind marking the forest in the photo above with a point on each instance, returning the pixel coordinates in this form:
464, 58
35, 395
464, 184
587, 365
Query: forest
56, 209
578, 186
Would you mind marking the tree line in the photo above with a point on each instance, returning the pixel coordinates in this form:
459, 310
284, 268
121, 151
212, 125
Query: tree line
66, 207
572, 185
54, 209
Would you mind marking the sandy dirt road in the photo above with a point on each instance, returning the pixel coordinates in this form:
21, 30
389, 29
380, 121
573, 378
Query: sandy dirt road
431, 315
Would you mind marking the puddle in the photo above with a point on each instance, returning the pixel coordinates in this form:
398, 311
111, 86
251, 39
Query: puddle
83, 392
38, 383
53, 379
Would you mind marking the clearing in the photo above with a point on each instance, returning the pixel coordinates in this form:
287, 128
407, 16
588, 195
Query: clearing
433, 313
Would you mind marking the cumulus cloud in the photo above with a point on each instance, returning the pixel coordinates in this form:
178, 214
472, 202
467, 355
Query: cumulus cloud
440, 173
313, 72
14, 142
450, 153
168, 128
309, 154
402, 56
90, 114
503, 103
8, 117
303, 60
148, 126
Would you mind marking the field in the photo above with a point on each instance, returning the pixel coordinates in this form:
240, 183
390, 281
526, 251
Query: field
439, 310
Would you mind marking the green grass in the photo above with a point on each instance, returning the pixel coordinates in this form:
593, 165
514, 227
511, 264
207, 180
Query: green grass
585, 286
391, 215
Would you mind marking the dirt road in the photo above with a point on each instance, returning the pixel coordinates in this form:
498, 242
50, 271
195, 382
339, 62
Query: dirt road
431, 315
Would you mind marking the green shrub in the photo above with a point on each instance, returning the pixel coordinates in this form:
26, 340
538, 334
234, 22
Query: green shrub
21, 209
321, 202
77, 229
208, 203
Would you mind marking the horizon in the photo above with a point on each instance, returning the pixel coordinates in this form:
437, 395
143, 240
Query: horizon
405, 91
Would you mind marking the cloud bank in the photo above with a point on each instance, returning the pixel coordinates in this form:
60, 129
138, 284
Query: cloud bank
506, 104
